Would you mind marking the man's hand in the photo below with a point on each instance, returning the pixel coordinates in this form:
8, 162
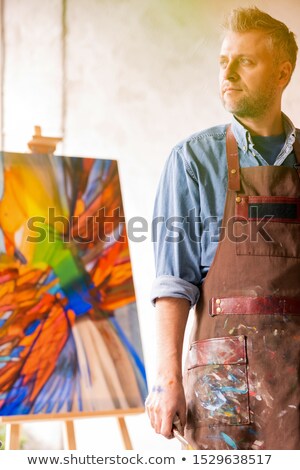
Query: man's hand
165, 401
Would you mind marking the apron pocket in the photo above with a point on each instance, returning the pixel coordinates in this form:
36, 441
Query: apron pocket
217, 385
267, 226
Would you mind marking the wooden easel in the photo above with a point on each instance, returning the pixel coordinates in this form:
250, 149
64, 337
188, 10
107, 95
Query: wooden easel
13, 425
42, 144
47, 145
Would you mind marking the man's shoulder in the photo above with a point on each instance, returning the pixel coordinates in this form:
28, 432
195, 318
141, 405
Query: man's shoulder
201, 149
204, 137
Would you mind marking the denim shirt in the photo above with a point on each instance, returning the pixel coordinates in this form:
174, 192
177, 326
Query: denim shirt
190, 203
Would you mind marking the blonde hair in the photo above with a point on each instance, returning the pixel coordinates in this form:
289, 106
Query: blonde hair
283, 40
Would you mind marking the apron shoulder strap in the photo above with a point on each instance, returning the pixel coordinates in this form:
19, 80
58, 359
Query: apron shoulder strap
233, 163
297, 149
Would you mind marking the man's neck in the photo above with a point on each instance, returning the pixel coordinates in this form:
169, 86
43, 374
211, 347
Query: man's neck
266, 125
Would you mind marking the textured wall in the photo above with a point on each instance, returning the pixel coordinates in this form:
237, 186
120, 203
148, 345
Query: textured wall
125, 79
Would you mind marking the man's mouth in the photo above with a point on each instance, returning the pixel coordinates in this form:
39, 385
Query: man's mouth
231, 89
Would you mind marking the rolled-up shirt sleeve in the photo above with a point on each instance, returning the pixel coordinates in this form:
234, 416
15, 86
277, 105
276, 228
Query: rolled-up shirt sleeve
176, 231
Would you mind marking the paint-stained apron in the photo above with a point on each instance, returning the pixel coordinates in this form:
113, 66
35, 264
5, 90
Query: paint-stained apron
242, 377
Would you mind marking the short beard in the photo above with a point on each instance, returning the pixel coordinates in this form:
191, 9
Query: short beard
253, 107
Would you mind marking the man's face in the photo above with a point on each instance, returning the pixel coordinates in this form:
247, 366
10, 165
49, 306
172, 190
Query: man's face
248, 74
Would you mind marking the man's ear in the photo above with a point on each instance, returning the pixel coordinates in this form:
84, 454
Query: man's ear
285, 73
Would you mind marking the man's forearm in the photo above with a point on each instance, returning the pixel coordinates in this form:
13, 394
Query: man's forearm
171, 319
166, 401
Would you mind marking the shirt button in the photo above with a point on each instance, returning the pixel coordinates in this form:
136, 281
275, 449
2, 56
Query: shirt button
253, 153
244, 148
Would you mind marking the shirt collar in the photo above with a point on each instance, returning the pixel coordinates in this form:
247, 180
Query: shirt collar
245, 143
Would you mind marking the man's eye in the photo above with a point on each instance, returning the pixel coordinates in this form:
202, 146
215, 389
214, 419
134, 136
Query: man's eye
245, 61
223, 64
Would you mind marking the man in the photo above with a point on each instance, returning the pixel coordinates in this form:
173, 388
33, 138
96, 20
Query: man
237, 185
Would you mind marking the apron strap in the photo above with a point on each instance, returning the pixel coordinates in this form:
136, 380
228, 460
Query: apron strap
233, 163
297, 155
297, 150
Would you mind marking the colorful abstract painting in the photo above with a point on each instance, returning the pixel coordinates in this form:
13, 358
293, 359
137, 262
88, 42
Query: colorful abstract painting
69, 332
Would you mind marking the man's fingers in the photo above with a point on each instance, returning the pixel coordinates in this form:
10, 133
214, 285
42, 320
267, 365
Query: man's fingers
166, 427
162, 409
157, 423
160, 421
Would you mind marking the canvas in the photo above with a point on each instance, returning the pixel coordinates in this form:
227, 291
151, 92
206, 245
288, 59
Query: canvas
69, 332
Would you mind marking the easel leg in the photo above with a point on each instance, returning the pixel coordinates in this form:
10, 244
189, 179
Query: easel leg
12, 438
69, 435
125, 434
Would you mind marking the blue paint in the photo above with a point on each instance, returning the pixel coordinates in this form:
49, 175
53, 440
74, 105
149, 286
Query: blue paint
55, 290
214, 402
15, 400
228, 440
232, 378
78, 301
96, 180
4, 359
62, 383
234, 390
16, 352
20, 256
32, 327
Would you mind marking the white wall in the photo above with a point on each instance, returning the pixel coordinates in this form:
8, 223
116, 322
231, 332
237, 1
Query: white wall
138, 76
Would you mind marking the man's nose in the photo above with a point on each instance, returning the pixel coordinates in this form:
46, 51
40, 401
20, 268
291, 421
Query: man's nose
231, 71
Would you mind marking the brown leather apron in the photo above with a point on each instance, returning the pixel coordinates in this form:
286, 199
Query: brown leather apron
242, 377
